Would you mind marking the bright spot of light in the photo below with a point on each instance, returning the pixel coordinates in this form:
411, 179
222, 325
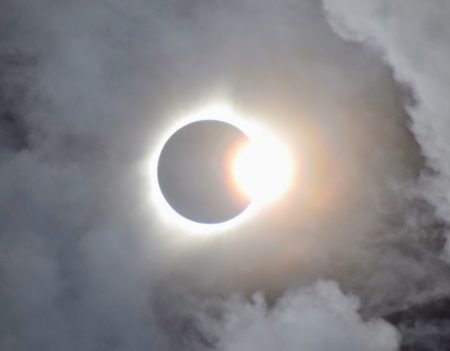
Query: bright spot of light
262, 169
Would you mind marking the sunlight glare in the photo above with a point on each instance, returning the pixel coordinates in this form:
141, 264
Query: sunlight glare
262, 170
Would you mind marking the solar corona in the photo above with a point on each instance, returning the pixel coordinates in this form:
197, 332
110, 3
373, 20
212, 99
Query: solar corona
217, 168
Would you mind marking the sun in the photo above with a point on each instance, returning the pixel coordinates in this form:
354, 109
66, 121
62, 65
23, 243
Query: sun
262, 169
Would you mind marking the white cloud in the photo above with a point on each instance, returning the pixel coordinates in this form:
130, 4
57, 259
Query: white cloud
315, 318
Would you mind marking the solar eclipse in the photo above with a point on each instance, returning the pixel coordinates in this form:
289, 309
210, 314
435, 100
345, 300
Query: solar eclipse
217, 167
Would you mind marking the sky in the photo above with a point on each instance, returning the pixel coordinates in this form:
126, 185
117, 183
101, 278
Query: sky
87, 90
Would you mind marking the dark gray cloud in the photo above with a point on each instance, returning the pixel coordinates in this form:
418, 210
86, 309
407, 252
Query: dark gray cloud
86, 89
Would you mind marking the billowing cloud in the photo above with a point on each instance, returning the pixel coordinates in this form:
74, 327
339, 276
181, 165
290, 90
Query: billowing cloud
316, 318
412, 37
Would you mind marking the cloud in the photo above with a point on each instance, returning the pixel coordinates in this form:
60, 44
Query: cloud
319, 317
85, 263
411, 37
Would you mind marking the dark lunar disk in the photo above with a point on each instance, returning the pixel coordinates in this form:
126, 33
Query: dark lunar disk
194, 174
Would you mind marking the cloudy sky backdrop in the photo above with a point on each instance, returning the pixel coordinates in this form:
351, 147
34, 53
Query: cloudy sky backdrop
86, 89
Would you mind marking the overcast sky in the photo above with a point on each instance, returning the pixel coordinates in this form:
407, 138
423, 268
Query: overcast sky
88, 87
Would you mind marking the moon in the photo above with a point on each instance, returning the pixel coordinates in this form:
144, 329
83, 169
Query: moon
216, 169
194, 172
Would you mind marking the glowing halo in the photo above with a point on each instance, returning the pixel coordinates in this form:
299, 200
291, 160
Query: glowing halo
218, 112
